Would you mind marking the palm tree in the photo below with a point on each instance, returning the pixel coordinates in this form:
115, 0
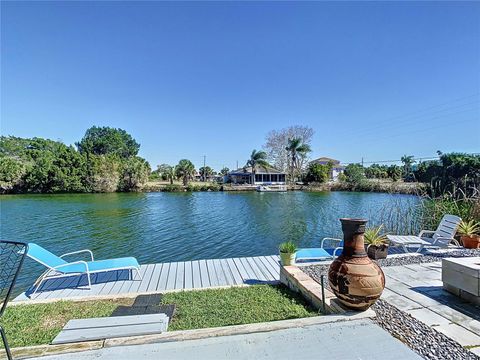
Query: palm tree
296, 148
407, 161
185, 170
170, 173
257, 158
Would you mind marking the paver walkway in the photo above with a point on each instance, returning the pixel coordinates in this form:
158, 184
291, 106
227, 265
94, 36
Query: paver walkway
198, 274
358, 339
417, 290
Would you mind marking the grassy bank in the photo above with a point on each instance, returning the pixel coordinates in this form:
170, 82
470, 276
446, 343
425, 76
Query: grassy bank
38, 324
371, 185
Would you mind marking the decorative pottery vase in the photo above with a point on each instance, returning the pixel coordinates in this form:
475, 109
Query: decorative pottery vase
355, 279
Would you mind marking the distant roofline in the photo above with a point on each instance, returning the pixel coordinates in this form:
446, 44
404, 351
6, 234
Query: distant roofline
259, 170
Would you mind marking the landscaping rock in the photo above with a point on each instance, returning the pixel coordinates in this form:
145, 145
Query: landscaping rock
421, 338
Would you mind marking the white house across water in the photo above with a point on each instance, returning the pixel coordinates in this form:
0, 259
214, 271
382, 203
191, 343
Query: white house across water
263, 176
337, 169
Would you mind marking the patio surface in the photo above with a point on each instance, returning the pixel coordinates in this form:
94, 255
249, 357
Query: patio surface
417, 290
356, 339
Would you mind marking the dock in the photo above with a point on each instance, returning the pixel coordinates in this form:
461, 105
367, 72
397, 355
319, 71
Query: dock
162, 277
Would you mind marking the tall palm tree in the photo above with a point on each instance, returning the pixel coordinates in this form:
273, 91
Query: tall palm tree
170, 173
296, 148
257, 158
407, 161
185, 170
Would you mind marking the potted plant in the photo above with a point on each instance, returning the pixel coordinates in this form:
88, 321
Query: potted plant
376, 244
469, 234
287, 252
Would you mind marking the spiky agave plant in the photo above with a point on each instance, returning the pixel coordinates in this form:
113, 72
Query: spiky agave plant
469, 228
373, 236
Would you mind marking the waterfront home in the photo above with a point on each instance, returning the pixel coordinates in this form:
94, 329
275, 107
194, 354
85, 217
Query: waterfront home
263, 176
337, 169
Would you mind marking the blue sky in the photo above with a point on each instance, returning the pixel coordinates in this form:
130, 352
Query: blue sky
375, 80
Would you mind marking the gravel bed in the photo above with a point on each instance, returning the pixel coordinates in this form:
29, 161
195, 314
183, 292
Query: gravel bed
421, 338
427, 258
424, 340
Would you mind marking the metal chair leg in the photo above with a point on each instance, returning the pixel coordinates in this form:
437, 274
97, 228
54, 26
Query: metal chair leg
5, 344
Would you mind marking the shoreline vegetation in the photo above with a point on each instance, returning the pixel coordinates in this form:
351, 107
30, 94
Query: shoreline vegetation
106, 160
381, 186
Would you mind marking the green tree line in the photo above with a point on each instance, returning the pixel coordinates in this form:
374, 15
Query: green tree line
104, 160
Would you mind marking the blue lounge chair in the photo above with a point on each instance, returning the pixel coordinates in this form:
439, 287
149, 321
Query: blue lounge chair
57, 267
328, 250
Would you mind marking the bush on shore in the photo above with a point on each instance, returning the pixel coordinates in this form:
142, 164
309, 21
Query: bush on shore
106, 161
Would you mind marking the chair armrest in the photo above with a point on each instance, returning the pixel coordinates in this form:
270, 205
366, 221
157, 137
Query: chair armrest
78, 252
335, 252
329, 239
444, 240
68, 264
429, 233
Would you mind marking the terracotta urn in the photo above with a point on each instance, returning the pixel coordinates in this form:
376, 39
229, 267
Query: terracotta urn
355, 279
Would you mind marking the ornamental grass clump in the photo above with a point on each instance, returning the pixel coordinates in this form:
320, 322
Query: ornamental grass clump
287, 252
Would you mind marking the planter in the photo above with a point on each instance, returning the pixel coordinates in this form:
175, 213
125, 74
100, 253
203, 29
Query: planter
471, 242
377, 252
287, 258
355, 279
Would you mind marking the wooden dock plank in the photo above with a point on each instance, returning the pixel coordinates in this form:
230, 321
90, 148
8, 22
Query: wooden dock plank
259, 272
128, 283
274, 273
212, 273
188, 284
241, 269
197, 281
222, 280
204, 274
266, 274
117, 276
162, 282
227, 272
172, 274
180, 278
252, 277
142, 286
275, 261
153, 285
237, 275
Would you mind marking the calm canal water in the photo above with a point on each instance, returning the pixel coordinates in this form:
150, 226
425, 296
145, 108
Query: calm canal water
160, 227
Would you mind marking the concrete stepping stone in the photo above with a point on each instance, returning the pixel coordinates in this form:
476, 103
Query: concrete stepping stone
79, 330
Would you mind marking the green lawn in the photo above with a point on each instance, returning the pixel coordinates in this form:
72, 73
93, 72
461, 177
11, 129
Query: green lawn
235, 306
39, 324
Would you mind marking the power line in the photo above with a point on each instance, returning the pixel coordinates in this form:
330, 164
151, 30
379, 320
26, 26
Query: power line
414, 116
423, 158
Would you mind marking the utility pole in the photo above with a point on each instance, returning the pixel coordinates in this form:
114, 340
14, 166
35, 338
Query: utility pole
362, 161
237, 164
